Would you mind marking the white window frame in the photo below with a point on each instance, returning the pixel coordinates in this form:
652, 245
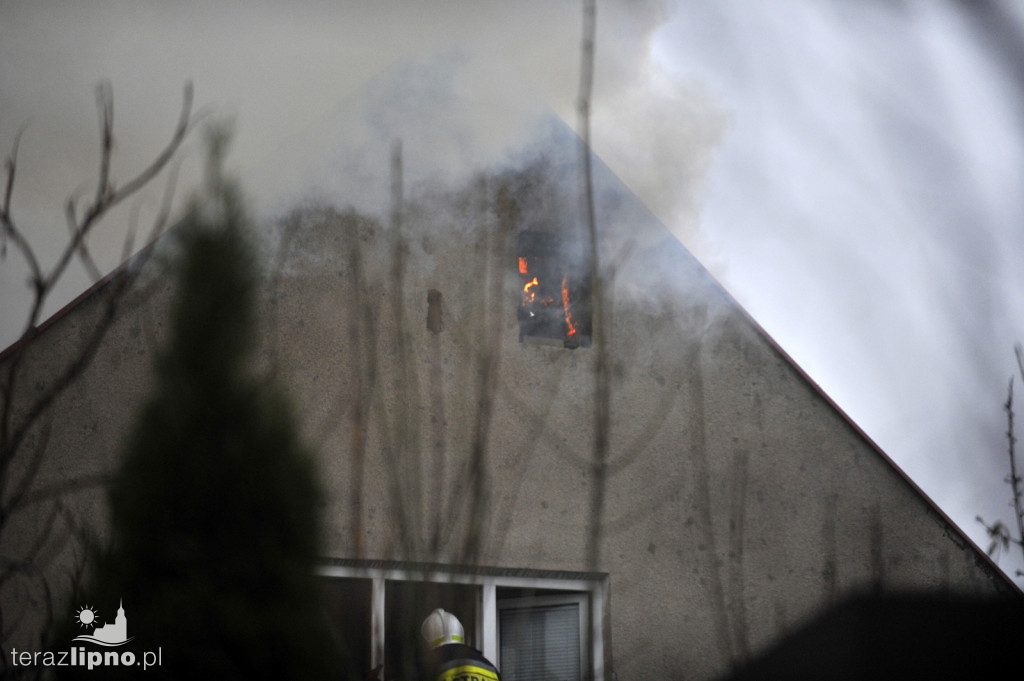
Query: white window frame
592, 590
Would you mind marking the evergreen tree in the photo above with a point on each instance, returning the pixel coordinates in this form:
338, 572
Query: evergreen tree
215, 511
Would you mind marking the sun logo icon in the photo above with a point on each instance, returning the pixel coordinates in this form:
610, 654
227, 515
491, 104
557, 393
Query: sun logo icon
87, 616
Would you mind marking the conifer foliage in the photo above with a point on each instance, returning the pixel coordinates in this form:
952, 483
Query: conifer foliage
214, 512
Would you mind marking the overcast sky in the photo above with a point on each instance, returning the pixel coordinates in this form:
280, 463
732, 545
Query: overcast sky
850, 170
865, 207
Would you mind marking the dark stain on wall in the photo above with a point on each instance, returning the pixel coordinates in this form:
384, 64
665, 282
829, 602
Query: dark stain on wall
702, 490
829, 575
435, 324
737, 514
877, 549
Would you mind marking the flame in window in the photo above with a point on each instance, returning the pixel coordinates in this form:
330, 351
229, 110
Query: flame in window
554, 295
528, 295
570, 327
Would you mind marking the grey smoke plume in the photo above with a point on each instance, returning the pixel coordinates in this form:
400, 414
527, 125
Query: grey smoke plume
286, 71
867, 199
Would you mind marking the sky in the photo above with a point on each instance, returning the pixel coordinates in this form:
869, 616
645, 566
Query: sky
864, 207
849, 170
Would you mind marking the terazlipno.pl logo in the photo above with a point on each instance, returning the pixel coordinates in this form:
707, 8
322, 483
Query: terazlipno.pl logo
109, 635
115, 634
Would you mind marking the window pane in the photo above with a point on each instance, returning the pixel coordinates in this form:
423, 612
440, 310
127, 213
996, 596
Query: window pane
541, 643
347, 602
406, 605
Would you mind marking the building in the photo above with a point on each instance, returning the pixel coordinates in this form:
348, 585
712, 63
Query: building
445, 363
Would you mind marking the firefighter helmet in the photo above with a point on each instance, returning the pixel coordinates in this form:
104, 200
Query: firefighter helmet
441, 628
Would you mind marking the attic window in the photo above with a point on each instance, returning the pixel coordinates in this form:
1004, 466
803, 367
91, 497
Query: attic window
555, 294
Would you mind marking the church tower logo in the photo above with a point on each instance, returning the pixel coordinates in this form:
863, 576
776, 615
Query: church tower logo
110, 634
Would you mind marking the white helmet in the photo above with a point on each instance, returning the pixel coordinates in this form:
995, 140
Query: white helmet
441, 628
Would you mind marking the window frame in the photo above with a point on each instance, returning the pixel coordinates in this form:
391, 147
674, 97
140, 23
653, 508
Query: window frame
592, 588
545, 261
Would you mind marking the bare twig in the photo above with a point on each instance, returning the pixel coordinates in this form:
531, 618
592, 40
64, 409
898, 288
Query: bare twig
106, 195
9, 229
10, 166
602, 390
1015, 479
402, 448
1000, 536
83, 249
487, 372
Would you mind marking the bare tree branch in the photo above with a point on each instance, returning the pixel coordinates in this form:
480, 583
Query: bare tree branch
1015, 479
1000, 536
602, 378
83, 250
487, 372
10, 165
106, 195
17, 489
9, 230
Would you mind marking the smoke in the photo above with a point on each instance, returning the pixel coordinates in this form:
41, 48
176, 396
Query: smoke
319, 90
864, 202
659, 136
480, 102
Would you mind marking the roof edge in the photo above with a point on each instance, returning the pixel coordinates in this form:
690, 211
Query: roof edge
987, 559
30, 333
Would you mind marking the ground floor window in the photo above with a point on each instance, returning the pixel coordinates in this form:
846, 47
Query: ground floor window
534, 625
543, 636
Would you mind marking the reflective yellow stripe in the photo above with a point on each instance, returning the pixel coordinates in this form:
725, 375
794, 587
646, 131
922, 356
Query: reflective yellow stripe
438, 641
467, 672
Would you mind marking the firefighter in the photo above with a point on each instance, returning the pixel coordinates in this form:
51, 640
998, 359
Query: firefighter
450, 658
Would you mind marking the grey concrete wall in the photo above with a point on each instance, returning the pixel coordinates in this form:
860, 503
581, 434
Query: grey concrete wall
72, 447
738, 501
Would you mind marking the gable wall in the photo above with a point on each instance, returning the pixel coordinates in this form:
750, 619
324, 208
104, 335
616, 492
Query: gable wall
738, 501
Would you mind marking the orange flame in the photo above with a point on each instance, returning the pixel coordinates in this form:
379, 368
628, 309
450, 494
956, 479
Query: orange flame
568, 310
528, 295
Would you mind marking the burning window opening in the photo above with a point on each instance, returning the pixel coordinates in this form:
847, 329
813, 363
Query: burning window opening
555, 294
